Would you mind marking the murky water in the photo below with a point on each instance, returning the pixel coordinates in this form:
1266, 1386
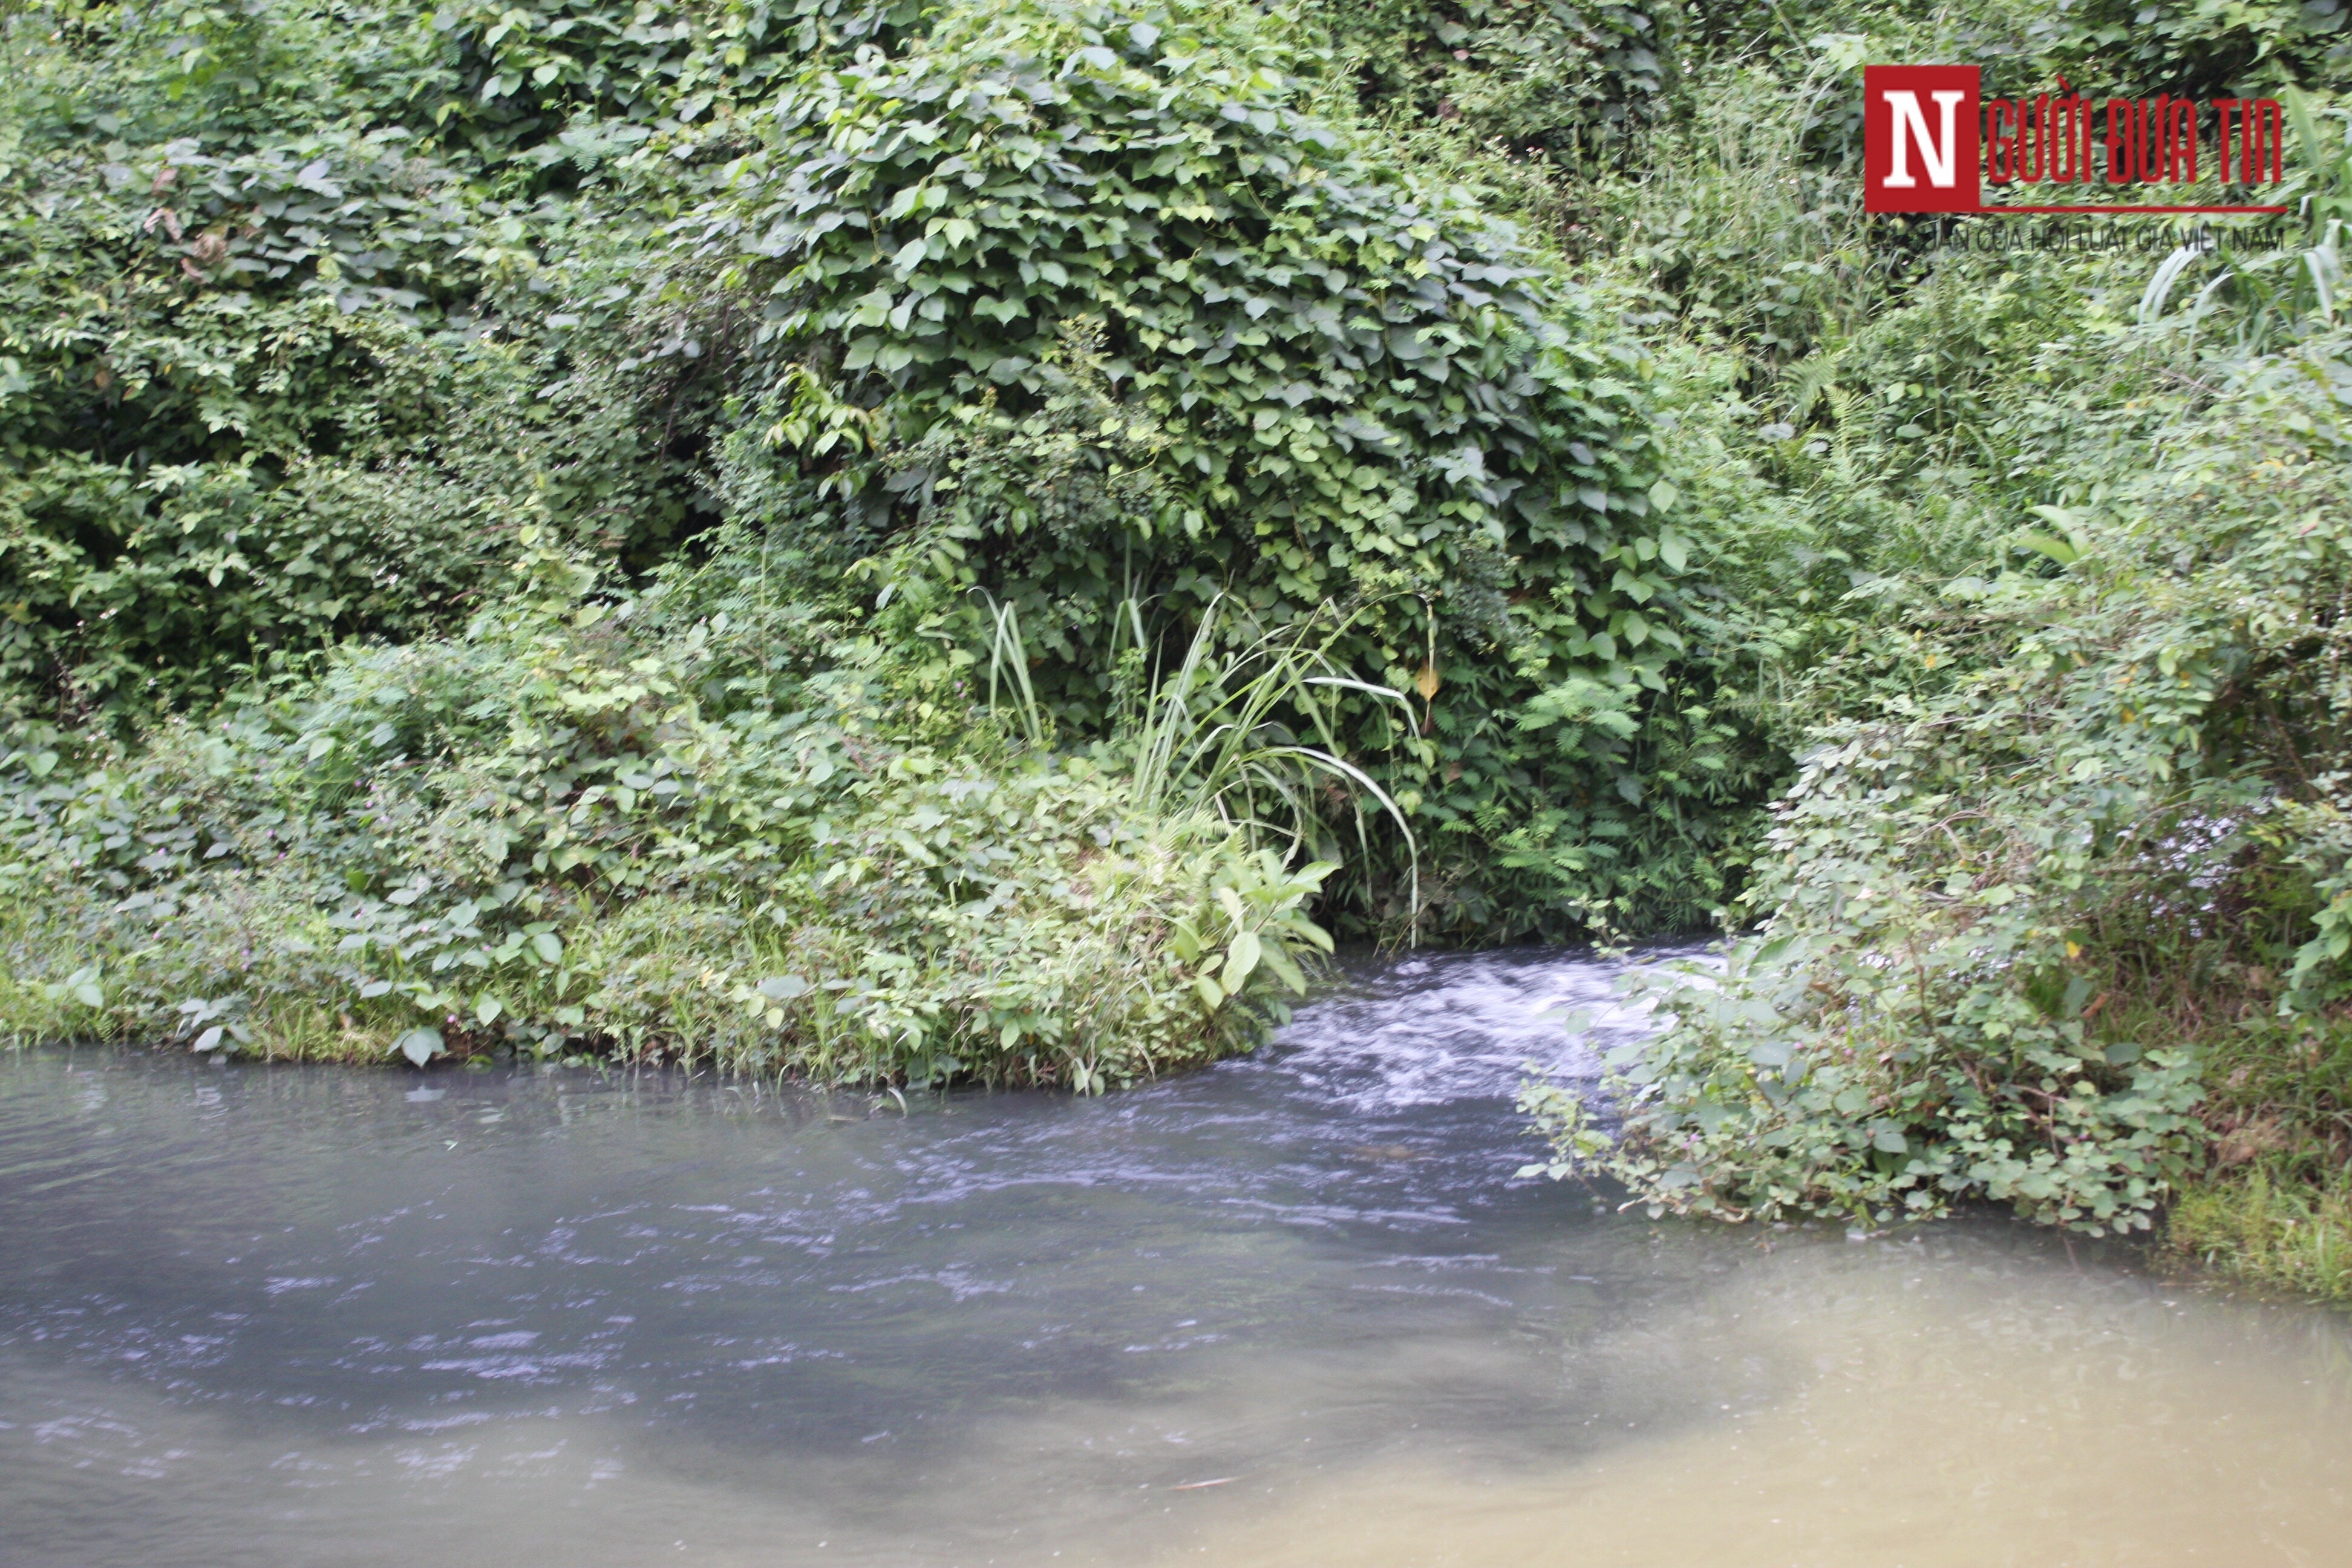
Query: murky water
1292, 1311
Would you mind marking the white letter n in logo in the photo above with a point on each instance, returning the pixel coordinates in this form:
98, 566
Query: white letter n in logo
1936, 151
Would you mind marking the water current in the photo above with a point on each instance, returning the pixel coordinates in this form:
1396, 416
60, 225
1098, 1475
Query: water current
1295, 1309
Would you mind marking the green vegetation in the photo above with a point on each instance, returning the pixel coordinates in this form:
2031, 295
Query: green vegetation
934, 541
507, 524
2041, 560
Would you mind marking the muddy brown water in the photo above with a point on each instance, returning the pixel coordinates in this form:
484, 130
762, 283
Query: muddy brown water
1292, 1311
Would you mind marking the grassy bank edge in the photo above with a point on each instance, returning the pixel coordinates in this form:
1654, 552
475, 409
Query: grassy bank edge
1104, 994
2266, 1229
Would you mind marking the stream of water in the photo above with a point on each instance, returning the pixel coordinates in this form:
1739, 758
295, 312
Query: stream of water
1294, 1309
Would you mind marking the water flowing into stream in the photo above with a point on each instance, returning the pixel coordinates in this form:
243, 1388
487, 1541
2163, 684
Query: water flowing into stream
1294, 1309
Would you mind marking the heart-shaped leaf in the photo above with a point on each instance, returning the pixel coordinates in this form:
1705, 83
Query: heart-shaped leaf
420, 1046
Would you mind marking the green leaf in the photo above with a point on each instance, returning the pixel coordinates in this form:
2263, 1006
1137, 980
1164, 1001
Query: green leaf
2056, 549
1240, 959
420, 1046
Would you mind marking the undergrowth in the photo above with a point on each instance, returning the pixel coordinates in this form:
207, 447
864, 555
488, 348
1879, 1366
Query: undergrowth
692, 824
2039, 563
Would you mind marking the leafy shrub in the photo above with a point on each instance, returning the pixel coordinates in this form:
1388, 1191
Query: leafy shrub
634, 829
313, 347
185, 342
267, 392
2200, 49
533, 94
1309, 378
1546, 78
2001, 908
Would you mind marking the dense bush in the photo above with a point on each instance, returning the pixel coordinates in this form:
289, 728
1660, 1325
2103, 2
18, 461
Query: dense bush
2202, 49
371, 407
208, 376
1544, 78
2038, 561
2002, 912
310, 343
276, 372
687, 824
1306, 377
